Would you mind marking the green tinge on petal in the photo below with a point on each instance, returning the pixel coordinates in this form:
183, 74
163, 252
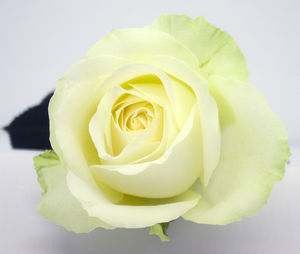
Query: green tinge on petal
160, 230
58, 204
254, 153
217, 52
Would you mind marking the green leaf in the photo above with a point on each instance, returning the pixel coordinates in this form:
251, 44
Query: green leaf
58, 204
160, 230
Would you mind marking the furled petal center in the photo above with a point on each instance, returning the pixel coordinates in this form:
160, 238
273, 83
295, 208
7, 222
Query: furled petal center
140, 120
136, 118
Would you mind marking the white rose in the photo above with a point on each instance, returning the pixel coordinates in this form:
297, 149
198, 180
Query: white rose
157, 123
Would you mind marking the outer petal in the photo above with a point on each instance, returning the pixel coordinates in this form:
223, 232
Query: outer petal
217, 52
139, 43
131, 212
73, 104
253, 155
58, 204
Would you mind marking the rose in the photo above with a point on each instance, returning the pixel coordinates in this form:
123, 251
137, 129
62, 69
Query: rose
157, 123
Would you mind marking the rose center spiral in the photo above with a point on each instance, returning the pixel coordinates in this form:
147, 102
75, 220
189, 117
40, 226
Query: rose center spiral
139, 120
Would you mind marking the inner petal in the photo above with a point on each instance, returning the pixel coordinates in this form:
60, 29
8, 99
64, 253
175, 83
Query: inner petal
126, 127
140, 120
145, 109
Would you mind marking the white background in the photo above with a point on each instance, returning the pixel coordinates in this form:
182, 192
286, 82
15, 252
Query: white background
40, 39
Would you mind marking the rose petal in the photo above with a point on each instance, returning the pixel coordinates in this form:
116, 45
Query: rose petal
70, 109
58, 203
254, 154
217, 52
211, 140
139, 43
132, 212
173, 173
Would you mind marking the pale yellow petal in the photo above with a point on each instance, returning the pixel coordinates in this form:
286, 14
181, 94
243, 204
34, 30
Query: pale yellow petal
130, 212
139, 43
253, 158
173, 173
71, 107
211, 137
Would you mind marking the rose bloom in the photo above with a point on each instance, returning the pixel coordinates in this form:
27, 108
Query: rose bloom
156, 123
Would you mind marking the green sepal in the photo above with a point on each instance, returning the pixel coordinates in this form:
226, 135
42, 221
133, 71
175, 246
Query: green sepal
46, 159
160, 230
